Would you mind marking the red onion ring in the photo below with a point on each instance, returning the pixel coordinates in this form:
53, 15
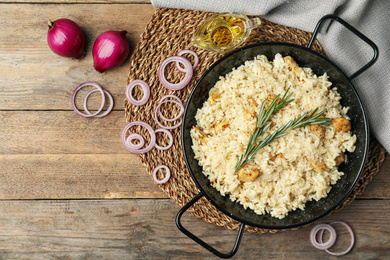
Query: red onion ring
320, 245
170, 139
187, 78
88, 83
181, 108
145, 88
196, 61
172, 96
167, 175
134, 148
108, 109
176, 117
138, 137
352, 239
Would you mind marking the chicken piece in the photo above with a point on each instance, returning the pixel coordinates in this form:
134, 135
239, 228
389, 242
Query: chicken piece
279, 159
202, 136
250, 110
293, 66
341, 124
221, 126
340, 159
269, 100
214, 95
248, 173
318, 166
278, 156
318, 130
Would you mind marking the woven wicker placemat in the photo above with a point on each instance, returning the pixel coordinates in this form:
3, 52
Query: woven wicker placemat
168, 32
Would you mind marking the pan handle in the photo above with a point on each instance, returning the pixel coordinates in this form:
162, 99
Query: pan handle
200, 241
356, 32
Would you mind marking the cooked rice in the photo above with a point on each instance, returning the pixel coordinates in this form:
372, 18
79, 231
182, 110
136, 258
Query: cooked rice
285, 184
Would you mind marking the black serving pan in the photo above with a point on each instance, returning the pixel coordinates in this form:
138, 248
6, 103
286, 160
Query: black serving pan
305, 57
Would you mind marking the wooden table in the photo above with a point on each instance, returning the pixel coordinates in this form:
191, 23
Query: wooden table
68, 188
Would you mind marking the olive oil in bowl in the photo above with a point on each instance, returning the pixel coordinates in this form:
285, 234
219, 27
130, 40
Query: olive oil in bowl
224, 32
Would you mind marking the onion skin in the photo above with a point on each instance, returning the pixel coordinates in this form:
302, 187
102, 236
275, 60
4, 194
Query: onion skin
110, 50
66, 39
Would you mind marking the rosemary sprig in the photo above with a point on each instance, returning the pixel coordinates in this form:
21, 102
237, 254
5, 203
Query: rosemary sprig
255, 143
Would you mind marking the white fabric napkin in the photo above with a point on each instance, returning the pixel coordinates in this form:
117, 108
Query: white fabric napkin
371, 17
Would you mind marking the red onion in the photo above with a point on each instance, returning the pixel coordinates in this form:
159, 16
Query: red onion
187, 78
196, 61
138, 137
177, 116
170, 139
167, 174
88, 83
65, 38
352, 239
108, 109
110, 50
181, 108
145, 88
135, 148
166, 119
172, 96
320, 245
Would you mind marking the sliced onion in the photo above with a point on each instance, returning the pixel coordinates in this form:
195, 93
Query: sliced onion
170, 139
181, 108
134, 148
145, 88
167, 174
88, 83
172, 96
196, 61
108, 109
352, 239
138, 137
319, 244
177, 116
167, 119
186, 79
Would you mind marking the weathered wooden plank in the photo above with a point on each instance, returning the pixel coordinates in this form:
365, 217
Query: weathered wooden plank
68, 176
379, 186
60, 132
145, 229
34, 78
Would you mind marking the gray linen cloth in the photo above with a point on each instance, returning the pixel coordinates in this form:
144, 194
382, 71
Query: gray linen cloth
372, 18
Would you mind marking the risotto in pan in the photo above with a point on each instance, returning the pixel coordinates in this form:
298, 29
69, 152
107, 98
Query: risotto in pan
298, 167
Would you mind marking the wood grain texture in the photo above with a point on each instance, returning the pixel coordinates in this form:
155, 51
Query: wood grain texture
145, 229
60, 132
69, 176
378, 188
34, 78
